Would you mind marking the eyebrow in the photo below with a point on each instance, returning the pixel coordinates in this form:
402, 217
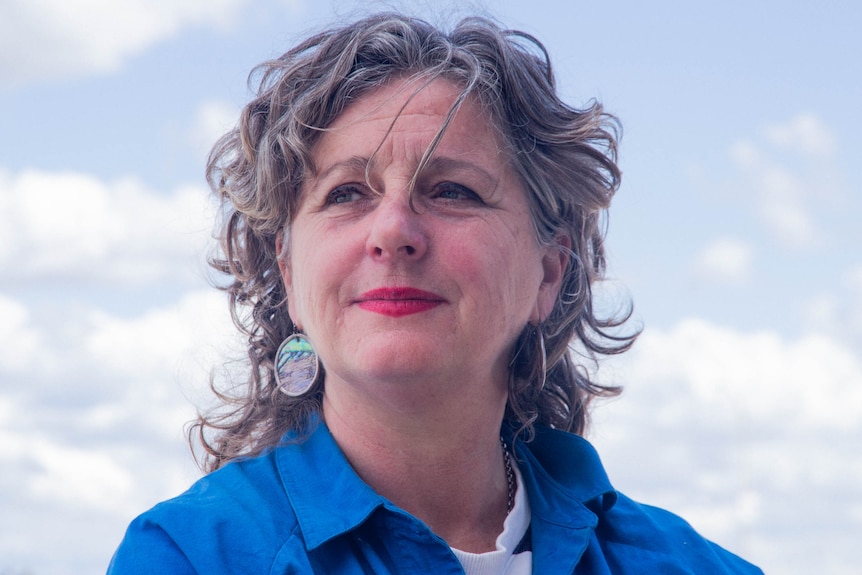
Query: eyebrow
449, 164
436, 164
352, 164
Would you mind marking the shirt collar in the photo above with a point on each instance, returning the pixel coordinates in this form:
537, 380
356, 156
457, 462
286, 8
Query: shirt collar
568, 465
567, 488
562, 475
327, 495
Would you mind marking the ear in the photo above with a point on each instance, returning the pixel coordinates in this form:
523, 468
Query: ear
554, 261
284, 267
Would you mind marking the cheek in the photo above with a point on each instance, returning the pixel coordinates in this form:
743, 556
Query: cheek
290, 288
321, 273
523, 279
295, 277
504, 274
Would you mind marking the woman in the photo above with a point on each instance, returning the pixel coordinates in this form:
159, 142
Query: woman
413, 231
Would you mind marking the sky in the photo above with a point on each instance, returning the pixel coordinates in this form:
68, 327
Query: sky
734, 234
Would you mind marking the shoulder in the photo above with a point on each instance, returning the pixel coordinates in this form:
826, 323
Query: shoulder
236, 519
630, 533
566, 479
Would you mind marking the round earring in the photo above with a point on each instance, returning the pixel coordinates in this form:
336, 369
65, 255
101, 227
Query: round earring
296, 365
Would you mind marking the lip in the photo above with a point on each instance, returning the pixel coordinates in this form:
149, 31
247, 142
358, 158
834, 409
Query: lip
398, 301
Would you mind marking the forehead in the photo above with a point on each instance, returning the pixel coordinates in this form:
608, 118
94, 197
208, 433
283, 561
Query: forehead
414, 112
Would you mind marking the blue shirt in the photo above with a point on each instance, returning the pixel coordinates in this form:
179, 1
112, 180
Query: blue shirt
301, 509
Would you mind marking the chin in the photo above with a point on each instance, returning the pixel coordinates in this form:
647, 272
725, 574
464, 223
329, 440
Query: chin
399, 368
398, 355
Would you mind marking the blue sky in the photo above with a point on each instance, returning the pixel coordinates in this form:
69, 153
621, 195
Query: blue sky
734, 233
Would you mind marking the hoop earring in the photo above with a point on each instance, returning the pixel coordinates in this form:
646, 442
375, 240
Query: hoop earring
296, 365
544, 355
519, 371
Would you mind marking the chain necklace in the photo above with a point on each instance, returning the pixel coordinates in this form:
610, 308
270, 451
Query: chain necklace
510, 476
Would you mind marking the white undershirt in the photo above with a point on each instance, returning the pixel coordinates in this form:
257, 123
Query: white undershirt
502, 561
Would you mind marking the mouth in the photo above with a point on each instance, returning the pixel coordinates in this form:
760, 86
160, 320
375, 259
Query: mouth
398, 301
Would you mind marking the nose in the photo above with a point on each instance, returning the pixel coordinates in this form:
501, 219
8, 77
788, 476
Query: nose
397, 231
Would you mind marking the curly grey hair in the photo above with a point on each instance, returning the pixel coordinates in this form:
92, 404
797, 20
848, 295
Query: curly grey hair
566, 158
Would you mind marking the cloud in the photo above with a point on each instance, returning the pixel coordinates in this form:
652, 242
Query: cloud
66, 503
804, 134
196, 329
147, 368
837, 311
107, 339
70, 226
814, 382
788, 173
728, 428
746, 154
91, 427
19, 340
212, 120
784, 206
69, 475
50, 39
724, 260
78, 359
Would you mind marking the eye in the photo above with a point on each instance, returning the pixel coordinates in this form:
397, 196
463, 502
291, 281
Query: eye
455, 192
344, 194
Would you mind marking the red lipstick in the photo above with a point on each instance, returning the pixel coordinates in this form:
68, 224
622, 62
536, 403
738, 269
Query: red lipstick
398, 301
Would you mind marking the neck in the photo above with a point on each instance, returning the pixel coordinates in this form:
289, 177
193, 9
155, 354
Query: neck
443, 465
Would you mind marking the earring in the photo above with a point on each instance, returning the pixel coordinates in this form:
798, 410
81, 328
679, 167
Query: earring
541, 335
296, 365
523, 365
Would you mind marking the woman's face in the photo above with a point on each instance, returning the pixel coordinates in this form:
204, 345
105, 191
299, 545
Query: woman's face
439, 294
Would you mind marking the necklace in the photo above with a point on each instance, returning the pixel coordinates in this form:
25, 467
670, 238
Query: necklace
510, 476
